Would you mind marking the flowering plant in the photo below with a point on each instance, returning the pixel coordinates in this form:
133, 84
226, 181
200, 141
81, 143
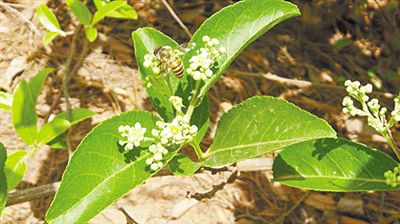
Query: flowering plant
126, 150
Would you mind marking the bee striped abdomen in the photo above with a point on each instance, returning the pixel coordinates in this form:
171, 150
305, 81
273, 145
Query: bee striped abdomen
177, 66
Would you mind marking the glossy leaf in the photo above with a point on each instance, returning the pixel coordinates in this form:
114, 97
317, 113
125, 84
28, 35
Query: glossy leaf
181, 165
80, 11
91, 33
47, 18
124, 12
24, 115
15, 168
333, 165
237, 26
49, 37
100, 172
52, 129
106, 10
77, 115
5, 101
146, 40
261, 125
3, 179
37, 81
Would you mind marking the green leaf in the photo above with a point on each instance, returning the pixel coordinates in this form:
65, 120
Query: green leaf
124, 12
80, 11
91, 33
100, 172
48, 19
181, 165
60, 124
106, 10
24, 115
15, 168
5, 101
37, 81
261, 125
3, 179
237, 26
58, 142
333, 165
52, 129
77, 115
49, 37
146, 40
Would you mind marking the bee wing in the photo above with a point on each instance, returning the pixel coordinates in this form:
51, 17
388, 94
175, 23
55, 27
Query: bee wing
185, 47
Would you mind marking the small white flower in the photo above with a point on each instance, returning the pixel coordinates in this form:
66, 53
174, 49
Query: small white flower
149, 161
131, 136
158, 156
177, 102
154, 166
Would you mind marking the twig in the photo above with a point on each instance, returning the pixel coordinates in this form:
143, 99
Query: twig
176, 17
279, 220
32, 193
301, 83
50, 189
129, 219
21, 16
215, 188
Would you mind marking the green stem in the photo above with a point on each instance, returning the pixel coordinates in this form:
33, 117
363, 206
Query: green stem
391, 143
171, 90
193, 101
197, 149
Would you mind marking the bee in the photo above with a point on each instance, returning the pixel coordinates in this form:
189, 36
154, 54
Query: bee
170, 58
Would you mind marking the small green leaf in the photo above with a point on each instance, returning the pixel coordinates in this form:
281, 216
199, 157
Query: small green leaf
146, 40
37, 81
58, 142
3, 179
124, 12
48, 19
49, 37
100, 172
24, 115
77, 115
15, 168
337, 165
52, 129
81, 11
181, 165
261, 125
237, 26
52, 132
106, 10
91, 33
5, 101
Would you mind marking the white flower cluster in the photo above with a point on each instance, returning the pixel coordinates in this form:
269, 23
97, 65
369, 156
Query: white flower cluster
205, 58
177, 102
178, 132
393, 177
151, 61
158, 152
131, 136
396, 112
370, 108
